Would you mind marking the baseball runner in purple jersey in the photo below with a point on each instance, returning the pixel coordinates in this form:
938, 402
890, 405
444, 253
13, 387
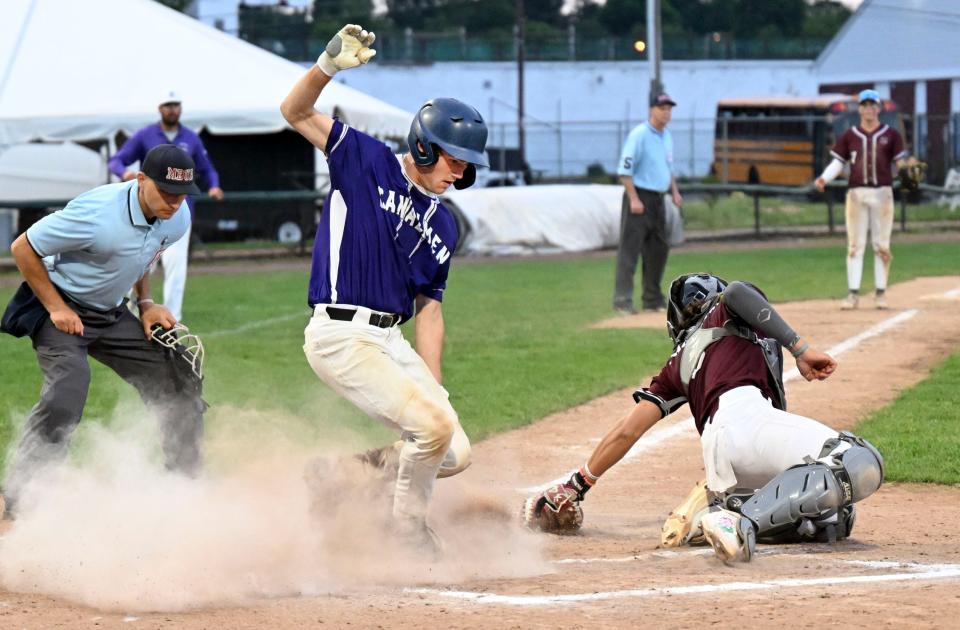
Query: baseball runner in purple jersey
870, 149
771, 475
381, 257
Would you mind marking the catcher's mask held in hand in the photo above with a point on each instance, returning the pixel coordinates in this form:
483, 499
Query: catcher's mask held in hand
691, 295
183, 344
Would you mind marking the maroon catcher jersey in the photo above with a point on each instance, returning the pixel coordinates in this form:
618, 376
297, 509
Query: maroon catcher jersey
728, 363
870, 155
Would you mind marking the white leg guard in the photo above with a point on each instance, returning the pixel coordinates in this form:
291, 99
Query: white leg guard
849, 470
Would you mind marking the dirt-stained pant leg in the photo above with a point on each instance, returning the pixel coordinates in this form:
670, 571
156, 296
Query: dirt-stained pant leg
858, 222
377, 370
881, 226
144, 364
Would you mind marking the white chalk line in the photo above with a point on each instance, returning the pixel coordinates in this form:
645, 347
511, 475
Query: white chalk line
684, 425
912, 572
260, 323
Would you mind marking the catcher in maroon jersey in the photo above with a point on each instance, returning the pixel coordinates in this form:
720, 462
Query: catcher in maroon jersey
870, 149
771, 475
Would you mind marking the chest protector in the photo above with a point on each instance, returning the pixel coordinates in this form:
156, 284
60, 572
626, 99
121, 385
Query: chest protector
697, 342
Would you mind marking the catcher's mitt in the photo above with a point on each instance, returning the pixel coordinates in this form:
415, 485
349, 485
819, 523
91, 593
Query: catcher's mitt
556, 510
912, 175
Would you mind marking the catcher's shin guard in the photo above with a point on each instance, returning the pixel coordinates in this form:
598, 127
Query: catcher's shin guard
817, 491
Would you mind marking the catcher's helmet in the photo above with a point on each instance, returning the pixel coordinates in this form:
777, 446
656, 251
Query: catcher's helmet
456, 128
690, 296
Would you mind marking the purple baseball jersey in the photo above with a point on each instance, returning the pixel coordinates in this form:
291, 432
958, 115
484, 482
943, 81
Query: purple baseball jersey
382, 240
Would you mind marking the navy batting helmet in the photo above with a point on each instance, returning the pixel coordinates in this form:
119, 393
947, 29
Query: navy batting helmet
456, 128
690, 296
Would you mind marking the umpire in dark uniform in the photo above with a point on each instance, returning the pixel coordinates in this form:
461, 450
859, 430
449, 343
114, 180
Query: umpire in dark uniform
646, 172
78, 265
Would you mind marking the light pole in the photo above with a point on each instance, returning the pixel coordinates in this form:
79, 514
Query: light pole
654, 46
521, 28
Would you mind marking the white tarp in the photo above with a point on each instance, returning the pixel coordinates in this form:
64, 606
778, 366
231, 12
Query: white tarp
539, 219
84, 69
48, 172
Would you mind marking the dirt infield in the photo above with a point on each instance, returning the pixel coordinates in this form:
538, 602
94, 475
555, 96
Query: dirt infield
901, 568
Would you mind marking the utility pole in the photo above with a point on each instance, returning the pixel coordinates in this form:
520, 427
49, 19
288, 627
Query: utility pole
654, 46
521, 32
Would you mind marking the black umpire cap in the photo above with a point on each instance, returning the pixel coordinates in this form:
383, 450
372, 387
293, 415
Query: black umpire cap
172, 170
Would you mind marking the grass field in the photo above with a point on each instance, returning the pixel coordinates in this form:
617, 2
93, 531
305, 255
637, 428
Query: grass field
517, 343
919, 434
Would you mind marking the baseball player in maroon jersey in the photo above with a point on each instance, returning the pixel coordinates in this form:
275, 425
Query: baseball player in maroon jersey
870, 149
771, 475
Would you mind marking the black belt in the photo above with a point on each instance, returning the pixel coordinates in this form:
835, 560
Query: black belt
380, 320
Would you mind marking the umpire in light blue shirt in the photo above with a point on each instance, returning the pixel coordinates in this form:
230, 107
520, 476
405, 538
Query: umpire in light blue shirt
646, 172
78, 265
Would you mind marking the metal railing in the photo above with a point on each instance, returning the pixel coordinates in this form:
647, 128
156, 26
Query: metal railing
569, 148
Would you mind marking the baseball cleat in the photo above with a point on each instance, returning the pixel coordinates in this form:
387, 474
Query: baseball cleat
850, 302
683, 525
880, 302
731, 535
419, 538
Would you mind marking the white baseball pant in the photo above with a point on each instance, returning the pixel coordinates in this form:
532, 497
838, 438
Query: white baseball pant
749, 441
174, 261
377, 370
869, 209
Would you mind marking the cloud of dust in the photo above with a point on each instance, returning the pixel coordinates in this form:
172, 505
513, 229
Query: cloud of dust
119, 533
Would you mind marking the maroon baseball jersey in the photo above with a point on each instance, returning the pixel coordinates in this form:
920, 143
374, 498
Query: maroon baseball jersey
728, 363
870, 155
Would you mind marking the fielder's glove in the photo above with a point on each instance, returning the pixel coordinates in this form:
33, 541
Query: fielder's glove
349, 48
557, 509
912, 175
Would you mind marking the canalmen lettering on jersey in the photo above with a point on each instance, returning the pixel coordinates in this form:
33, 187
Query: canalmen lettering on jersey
382, 239
402, 206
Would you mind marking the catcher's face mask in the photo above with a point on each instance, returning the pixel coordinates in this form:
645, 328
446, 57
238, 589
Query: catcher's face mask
690, 295
185, 345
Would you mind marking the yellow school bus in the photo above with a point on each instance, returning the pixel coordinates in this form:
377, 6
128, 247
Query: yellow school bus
783, 140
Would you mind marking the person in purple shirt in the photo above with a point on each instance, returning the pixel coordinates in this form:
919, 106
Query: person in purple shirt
170, 131
381, 257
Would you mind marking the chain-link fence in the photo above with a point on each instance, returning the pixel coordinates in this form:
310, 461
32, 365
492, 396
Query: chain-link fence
779, 150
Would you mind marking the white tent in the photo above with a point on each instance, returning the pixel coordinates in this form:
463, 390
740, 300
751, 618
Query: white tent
84, 69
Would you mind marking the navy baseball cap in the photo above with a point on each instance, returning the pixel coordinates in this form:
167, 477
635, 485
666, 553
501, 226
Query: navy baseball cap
662, 99
869, 95
172, 169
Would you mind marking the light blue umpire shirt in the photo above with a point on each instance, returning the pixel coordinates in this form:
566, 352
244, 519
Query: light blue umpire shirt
100, 244
647, 156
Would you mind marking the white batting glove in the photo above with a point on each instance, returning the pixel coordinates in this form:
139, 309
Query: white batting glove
349, 48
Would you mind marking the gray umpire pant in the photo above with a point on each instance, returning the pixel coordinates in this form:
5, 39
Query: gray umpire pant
116, 339
642, 235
